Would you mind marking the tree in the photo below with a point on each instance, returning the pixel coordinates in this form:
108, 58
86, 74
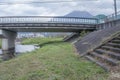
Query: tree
100, 16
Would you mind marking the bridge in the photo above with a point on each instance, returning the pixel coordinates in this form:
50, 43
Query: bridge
10, 25
47, 23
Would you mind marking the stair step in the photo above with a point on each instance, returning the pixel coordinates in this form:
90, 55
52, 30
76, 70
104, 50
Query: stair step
118, 38
112, 54
107, 59
111, 48
115, 41
105, 67
113, 44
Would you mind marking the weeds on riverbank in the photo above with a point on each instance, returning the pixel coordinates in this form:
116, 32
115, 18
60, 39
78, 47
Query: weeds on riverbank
41, 41
53, 61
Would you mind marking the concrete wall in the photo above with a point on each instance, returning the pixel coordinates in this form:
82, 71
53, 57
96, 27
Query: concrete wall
108, 24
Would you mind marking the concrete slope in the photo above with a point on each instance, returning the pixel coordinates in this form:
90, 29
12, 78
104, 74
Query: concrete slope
72, 37
94, 39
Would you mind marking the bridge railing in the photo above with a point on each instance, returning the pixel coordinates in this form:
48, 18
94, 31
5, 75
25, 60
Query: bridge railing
47, 19
112, 17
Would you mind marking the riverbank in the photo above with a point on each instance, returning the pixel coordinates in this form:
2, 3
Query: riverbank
55, 60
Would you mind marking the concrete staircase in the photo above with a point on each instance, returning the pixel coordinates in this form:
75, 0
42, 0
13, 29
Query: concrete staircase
106, 55
101, 47
71, 37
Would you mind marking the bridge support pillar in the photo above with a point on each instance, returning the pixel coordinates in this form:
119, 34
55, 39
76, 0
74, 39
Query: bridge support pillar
8, 44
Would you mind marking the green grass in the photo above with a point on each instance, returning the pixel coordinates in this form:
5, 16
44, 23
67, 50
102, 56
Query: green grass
56, 61
0, 43
40, 41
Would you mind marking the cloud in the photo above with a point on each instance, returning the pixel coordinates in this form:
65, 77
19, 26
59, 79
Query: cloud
94, 7
19, 10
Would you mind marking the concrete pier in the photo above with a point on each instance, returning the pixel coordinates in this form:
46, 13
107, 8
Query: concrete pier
8, 44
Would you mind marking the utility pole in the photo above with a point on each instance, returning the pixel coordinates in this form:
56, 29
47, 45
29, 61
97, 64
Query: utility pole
115, 8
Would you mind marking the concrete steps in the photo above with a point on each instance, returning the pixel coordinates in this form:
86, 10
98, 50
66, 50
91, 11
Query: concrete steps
104, 66
105, 58
109, 53
111, 48
106, 55
113, 44
115, 41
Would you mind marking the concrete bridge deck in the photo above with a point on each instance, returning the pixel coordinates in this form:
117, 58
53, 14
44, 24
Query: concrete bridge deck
47, 23
47, 27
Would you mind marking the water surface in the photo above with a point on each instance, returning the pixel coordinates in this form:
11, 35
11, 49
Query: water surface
23, 48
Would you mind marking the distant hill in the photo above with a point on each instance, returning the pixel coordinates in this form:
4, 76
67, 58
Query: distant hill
79, 14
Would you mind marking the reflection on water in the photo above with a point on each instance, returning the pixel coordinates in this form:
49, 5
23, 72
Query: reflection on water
23, 48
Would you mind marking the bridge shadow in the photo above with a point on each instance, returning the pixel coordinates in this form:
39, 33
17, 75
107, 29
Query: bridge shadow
50, 42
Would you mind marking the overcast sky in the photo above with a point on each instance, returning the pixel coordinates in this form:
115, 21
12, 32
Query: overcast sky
94, 7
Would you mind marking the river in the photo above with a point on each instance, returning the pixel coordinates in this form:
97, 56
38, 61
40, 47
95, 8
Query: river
19, 48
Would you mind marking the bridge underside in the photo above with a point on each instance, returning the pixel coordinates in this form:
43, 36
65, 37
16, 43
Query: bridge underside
50, 29
46, 27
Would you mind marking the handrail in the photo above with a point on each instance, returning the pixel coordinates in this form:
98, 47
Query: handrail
46, 17
112, 17
50, 19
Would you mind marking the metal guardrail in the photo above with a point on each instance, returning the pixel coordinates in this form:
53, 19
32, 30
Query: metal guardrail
47, 19
112, 17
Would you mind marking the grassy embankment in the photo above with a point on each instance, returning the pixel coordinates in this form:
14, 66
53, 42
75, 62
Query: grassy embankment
53, 61
0, 43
